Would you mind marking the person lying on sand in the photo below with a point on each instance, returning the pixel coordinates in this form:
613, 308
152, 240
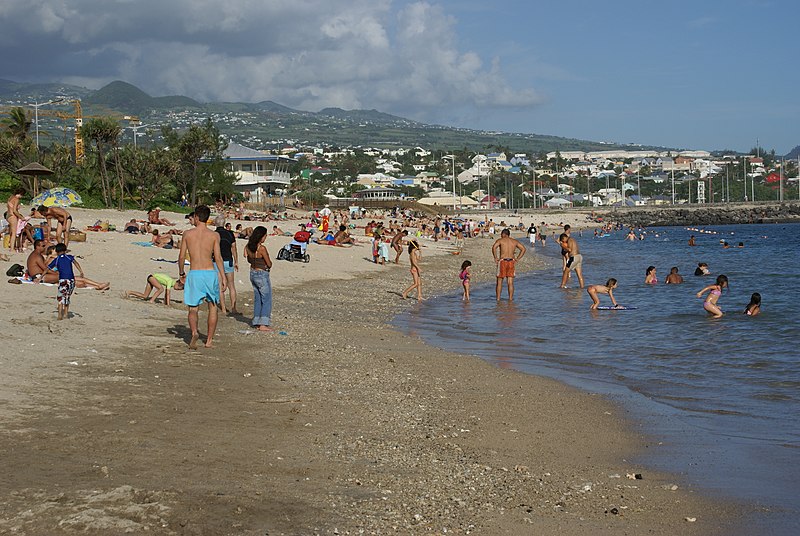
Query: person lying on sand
38, 272
133, 227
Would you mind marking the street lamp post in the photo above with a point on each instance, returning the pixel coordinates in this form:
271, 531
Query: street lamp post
452, 158
36, 106
135, 130
744, 178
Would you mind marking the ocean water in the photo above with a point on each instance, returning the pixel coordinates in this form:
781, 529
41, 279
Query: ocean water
721, 395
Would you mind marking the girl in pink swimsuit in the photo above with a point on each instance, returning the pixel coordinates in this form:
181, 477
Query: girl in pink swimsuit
710, 304
464, 276
650, 276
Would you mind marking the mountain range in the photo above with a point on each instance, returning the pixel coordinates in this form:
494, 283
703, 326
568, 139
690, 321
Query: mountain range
266, 124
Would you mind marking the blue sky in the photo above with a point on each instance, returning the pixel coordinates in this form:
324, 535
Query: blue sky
704, 75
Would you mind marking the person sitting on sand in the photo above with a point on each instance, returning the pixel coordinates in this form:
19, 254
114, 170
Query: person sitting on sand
24, 232
243, 232
277, 231
154, 217
608, 288
343, 237
162, 241
674, 278
160, 283
38, 271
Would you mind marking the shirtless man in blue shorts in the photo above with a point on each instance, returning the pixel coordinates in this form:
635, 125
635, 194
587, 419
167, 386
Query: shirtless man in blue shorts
204, 281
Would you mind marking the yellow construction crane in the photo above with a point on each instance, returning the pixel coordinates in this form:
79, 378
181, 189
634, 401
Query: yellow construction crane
77, 115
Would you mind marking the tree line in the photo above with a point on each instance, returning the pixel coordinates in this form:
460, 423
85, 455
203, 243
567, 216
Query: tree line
185, 165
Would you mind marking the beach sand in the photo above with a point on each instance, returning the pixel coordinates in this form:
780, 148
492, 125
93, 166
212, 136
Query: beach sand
333, 424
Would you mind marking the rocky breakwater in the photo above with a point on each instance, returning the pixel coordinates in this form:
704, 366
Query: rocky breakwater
707, 215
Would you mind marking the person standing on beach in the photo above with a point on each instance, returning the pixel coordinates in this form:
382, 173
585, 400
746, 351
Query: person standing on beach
574, 259
397, 244
414, 255
14, 216
203, 282
260, 265
230, 261
532, 235
565, 251
505, 255
63, 222
63, 264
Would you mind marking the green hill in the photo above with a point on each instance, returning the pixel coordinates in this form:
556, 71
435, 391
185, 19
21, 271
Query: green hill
268, 124
129, 99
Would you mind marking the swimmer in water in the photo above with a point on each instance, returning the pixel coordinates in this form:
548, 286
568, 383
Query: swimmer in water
608, 288
650, 275
702, 269
754, 307
674, 278
710, 304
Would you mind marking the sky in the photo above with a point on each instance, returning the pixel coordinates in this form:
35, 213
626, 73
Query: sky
701, 74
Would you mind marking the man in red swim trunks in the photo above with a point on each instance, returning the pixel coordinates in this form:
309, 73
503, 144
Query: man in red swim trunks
505, 255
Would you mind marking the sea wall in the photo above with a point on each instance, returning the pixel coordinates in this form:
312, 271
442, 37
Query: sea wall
787, 212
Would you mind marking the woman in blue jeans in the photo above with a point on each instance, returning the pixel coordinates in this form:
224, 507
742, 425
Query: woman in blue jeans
260, 264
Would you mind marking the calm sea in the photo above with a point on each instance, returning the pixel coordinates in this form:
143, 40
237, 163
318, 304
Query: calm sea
722, 395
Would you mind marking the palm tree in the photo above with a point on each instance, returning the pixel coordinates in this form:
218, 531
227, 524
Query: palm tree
104, 132
18, 124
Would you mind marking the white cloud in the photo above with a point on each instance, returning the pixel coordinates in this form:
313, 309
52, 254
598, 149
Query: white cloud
308, 54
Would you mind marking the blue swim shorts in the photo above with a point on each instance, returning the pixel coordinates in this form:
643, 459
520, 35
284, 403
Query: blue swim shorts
227, 266
201, 285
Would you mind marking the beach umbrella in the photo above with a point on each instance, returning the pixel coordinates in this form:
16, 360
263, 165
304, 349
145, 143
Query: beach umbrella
58, 196
34, 169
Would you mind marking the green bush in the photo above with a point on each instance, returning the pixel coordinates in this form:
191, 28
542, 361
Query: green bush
8, 182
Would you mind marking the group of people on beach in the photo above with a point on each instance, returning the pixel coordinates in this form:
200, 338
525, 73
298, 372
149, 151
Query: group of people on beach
49, 261
213, 257
17, 229
507, 252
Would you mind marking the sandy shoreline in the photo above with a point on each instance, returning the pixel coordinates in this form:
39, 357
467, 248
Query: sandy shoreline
341, 425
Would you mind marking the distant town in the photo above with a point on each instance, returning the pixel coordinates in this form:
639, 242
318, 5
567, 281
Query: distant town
274, 152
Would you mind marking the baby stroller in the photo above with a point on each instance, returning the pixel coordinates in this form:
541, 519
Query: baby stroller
294, 251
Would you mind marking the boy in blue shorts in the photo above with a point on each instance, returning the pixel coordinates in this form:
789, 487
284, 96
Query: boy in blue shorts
66, 278
205, 280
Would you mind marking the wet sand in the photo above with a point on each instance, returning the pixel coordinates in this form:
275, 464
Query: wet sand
340, 425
